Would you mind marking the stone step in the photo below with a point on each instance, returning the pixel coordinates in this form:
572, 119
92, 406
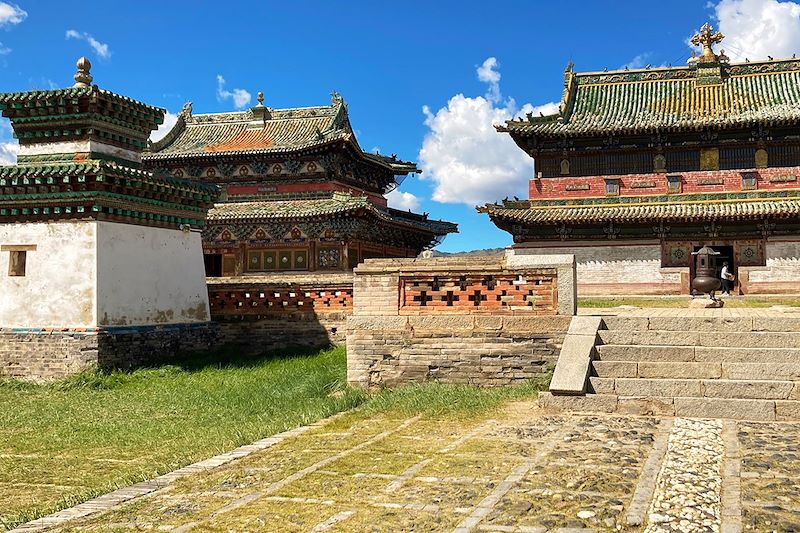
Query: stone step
747, 355
692, 407
714, 339
697, 388
696, 370
630, 352
696, 323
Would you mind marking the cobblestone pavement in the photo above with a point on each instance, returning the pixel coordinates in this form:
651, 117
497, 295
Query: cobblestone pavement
524, 470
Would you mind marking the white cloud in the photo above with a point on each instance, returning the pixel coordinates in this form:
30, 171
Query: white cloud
4, 50
11, 14
639, 61
169, 121
756, 29
101, 49
466, 158
8, 147
240, 97
8, 152
403, 200
487, 73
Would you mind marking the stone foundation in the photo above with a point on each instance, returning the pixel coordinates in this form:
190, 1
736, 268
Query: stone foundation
267, 333
477, 350
41, 354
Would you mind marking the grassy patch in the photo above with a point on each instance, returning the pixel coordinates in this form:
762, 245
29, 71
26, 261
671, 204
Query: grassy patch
66, 441
597, 302
436, 400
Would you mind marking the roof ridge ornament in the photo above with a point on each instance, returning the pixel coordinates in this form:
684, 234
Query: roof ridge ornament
82, 78
260, 110
706, 38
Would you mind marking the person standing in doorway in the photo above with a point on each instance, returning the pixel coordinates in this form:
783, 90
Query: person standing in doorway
727, 279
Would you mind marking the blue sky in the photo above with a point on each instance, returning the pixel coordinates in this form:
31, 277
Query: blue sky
401, 67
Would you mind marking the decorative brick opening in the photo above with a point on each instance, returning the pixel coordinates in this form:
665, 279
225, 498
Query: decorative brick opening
265, 300
530, 292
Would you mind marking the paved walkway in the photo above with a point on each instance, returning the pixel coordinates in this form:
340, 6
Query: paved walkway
525, 470
682, 312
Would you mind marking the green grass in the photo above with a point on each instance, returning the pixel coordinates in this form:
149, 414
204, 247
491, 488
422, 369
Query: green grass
600, 302
66, 441
440, 401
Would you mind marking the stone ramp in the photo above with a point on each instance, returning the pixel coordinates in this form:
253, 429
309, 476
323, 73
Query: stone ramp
707, 366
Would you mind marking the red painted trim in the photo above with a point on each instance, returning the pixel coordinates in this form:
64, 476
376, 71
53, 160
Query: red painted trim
692, 182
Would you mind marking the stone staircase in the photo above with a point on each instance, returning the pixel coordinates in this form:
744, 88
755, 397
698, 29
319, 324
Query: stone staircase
704, 367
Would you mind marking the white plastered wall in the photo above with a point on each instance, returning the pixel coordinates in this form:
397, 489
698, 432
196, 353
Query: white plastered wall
606, 264
783, 263
150, 276
58, 289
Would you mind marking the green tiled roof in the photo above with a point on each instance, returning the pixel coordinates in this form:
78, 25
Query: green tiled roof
341, 204
39, 174
647, 100
685, 207
54, 96
276, 131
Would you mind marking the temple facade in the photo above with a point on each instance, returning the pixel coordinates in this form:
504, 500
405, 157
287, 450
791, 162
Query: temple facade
640, 168
299, 194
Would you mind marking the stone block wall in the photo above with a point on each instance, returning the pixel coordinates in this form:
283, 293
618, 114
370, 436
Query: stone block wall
482, 321
469, 349
41, 354
267, 333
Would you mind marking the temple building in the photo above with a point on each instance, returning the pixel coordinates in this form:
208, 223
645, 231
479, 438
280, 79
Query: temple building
640, 168
100, 260
299, 193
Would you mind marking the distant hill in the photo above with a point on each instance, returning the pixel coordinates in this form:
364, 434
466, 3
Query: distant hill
488, 252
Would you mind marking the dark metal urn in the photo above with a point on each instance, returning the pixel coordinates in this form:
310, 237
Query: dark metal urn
706, 279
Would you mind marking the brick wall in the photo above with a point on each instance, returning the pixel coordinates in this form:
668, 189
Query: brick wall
485, 321
276, 311
40, 354
654, 183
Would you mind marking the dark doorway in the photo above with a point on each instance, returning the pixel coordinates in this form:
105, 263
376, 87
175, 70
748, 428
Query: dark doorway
725, 254
213, 264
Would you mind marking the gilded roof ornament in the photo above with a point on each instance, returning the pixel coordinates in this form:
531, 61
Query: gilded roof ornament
707, 38
82, 77
260, 98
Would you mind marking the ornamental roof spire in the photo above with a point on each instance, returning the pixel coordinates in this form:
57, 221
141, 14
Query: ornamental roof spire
82, 77
706, 38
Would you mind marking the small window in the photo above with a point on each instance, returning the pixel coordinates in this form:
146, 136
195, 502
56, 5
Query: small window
612, 187
748, 181
16, 262
17, 257
674, 184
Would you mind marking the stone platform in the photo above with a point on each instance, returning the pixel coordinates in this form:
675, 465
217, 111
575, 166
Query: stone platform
523, 469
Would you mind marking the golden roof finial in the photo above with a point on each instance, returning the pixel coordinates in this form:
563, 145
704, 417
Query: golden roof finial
260, 98
706, 38
82, 77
